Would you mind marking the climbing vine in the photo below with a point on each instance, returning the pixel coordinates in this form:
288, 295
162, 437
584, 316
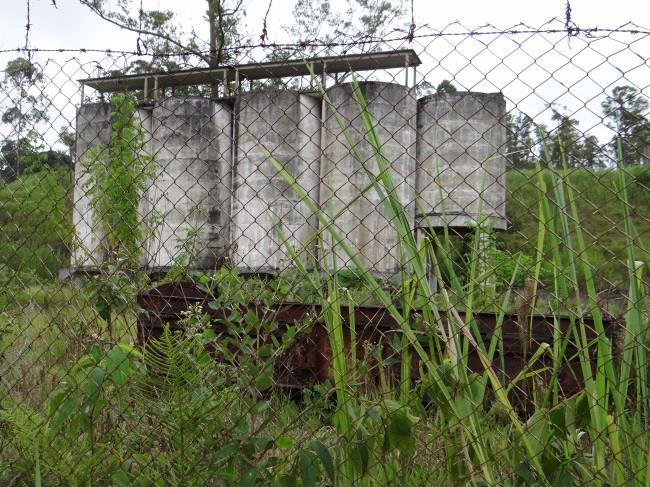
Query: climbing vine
119, 174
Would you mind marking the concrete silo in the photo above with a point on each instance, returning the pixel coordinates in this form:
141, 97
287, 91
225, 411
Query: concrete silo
361, 215
189, 198
286, 125
461, 163
144, 118
92, 145
92, 139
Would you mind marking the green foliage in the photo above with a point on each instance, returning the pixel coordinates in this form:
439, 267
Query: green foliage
504, 264
627, 110
525, 140
70, 440
356, 18
119, 174
230, 288
160, 33
22, 76
35, 227
26, 156
22, 84
568, 146
599, 214
446, 86
521, 144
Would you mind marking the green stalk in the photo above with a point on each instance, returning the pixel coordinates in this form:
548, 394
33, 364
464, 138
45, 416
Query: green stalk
385, 188
598, 390
633, 345
352, 323
595, 389
496, 341
332, 308
405, 355
617, 471
560, 228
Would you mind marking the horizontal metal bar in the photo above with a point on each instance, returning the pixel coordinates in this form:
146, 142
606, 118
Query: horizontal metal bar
275, 69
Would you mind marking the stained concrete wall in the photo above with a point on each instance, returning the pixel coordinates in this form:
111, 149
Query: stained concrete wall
286, 125
93, 140
459, 174
190, 195
93, 133
461, 163
144, 117
362, 219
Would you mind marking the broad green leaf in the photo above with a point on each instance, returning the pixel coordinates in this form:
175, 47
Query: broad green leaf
264, 381
118, 366
325, 458
308, 468
284, 442
360, 456
399, 431
120, 478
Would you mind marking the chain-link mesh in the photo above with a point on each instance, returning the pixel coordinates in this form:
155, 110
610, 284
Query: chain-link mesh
414, 261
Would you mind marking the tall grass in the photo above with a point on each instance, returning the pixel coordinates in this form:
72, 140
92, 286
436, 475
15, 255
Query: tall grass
549, 447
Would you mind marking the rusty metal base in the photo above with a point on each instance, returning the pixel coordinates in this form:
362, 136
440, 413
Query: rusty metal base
308, 360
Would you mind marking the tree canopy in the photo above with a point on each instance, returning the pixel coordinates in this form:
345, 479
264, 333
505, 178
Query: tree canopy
626, 112
23, 151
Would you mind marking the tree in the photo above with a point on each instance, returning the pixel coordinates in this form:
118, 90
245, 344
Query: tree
626, 110
160, 35
592, 153
565, 144
14, 155
317, 20
446, 86
22, 86
67, 138
520, 140
568, 146
31, 158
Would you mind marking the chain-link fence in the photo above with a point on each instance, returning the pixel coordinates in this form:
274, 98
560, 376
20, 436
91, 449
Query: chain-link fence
408, 261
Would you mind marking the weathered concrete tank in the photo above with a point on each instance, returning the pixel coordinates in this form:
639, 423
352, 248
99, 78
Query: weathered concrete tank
93, 136
190, 196
144, 118
361, 215
266, 210
461, 163
93, 142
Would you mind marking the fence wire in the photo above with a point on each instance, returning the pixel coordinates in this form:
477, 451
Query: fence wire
419, 260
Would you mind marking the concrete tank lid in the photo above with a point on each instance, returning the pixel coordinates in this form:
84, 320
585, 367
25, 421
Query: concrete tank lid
459, 94
366, 83
188, 98
263, 91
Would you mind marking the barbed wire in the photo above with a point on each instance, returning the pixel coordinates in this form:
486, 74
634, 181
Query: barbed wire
423, 32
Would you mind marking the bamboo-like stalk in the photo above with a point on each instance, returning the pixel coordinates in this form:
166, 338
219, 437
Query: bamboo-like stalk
463, 411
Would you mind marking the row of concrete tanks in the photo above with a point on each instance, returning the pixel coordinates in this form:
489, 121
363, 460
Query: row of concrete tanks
217, 197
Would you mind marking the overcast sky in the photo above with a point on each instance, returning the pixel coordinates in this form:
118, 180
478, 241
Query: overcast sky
73, 26
531, 71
